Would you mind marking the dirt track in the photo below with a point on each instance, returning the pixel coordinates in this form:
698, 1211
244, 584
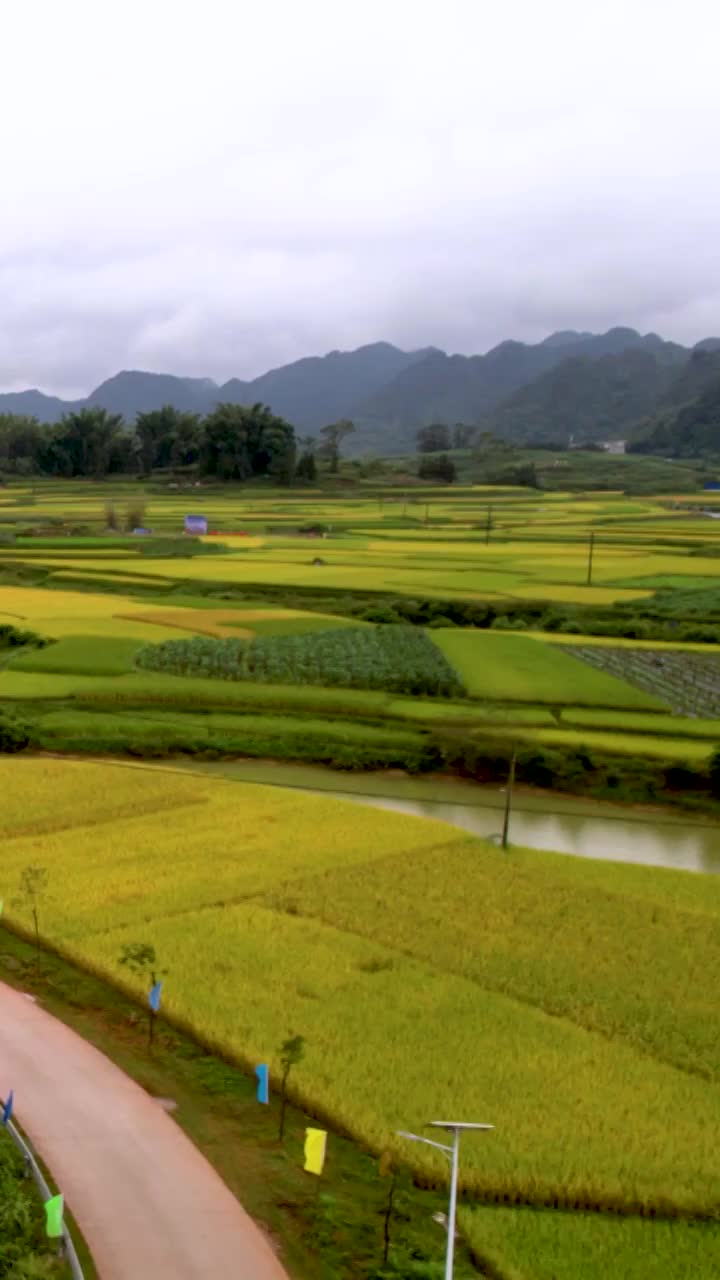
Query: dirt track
147, 1202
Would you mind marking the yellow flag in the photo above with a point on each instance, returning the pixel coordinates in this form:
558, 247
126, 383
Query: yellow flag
315, 1144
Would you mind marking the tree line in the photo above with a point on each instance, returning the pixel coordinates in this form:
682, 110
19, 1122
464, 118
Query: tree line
234, 442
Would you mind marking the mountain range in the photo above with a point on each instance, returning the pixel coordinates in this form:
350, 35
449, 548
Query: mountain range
572, 386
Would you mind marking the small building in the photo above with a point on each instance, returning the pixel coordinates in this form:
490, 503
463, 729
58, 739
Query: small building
196, 525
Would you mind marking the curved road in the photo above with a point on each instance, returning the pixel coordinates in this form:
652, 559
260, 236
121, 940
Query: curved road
147, 1202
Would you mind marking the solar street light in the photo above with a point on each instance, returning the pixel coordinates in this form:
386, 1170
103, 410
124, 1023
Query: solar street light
454, 1127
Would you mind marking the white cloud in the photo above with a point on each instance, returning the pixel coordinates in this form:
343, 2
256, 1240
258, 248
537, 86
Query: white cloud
217, 188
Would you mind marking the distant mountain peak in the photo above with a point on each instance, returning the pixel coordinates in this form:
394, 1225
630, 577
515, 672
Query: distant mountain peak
566, 338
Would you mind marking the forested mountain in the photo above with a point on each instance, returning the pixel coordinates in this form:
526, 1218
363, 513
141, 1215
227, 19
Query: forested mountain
583, 399
686, 422
469, 389
132, 392
320, 389
573, 384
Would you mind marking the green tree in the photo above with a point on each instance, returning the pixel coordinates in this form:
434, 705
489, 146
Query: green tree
21, 439
83, 443
167, 437
333, 436
292, 1051
240, 442
387, 1169
31, 896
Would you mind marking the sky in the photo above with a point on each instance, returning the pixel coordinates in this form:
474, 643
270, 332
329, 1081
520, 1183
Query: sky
216, 188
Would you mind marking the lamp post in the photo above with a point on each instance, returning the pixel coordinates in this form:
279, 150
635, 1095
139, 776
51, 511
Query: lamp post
455, 1127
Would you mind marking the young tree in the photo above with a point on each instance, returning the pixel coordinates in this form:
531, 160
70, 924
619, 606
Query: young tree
292, 1051
334, 434
31, 896
387, 1169
140, 959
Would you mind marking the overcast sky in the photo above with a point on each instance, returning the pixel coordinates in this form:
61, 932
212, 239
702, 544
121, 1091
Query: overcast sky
214, 188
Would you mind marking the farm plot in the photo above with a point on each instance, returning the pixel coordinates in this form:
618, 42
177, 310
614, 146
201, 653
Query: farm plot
500, 666
400, 659
81, 655
688, 682
527, 1245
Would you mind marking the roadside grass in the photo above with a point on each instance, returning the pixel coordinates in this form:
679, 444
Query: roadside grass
500, 665
25, 1250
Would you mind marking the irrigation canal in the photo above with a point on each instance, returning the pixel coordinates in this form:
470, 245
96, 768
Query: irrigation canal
565, 824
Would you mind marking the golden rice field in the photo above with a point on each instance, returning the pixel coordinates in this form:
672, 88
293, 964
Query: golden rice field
567, 1004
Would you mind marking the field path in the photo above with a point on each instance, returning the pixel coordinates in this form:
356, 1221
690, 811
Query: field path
147, 1202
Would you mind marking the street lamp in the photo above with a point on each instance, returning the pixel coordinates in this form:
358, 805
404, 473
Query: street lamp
455, 1128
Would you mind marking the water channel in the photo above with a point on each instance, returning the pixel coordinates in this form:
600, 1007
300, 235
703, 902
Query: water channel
540, 820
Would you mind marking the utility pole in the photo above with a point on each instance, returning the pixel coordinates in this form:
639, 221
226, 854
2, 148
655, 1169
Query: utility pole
453, 1153
591, 549
488, 526
508, 798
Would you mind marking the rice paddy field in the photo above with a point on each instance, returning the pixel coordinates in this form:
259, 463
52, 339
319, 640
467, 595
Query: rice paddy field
271, 560
276, 912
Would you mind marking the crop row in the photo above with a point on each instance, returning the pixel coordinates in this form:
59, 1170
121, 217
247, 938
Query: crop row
687, 682
400, 659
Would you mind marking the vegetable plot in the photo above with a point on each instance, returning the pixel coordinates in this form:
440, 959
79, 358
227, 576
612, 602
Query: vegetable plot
688, 682
401, 659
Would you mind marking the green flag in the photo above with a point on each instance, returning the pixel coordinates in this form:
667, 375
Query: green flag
54, 1217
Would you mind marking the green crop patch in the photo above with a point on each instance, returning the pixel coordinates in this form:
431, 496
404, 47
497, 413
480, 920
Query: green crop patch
81, 655
522, 1244
499, 665
399, 659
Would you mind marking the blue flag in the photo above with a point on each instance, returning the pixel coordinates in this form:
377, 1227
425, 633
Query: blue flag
154, 997
263, 1091
7, 1109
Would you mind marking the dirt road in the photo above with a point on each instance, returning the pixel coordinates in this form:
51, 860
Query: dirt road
147, 1202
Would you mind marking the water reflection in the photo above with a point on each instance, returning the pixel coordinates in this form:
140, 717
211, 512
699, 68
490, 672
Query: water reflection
684, 847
